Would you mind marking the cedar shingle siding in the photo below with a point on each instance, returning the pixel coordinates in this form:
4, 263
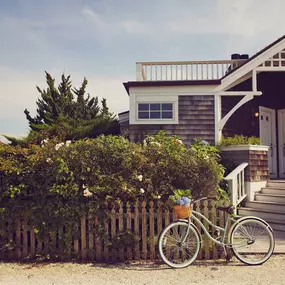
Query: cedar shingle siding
196, 120
257, 169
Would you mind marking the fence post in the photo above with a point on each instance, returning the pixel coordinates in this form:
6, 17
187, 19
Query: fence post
113, 232
121, 227
151, 231
83, 237
206, 240
137, 231
25, 238
144, 231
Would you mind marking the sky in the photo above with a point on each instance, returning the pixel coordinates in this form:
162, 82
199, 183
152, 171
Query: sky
102, 39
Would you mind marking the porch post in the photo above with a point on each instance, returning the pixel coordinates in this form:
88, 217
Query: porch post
218, 116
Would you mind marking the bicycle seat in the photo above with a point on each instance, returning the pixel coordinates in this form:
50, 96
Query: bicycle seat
229, 209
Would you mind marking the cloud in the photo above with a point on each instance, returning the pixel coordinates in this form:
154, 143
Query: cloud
93, 16
102, 40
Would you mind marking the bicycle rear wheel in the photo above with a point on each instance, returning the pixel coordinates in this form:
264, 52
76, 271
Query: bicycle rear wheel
173, 251
252, 241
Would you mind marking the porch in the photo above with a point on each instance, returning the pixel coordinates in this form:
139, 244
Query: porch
263, 117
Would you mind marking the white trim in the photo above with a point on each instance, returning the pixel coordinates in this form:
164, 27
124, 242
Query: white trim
254, 81
273, 146
197, 93
223, 121
244, 147
240, 93
236, 171
171, 120
173, 90
281, 143
218, 115
252, 188
254, 63
147, 98
263, 68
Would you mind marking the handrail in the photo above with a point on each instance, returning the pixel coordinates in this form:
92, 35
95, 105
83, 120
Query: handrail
185, 70
237, 184
236, 171
190, 62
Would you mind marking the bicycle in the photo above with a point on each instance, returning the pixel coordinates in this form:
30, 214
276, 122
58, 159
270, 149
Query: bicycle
249, 238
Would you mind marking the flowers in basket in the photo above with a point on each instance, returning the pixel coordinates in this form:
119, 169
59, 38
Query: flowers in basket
182, 208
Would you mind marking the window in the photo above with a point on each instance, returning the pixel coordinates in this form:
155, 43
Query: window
155, 111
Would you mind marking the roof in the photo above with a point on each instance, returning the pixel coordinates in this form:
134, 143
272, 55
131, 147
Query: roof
255, 55
122, 113
129, 84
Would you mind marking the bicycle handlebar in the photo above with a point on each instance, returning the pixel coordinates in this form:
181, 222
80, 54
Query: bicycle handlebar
203, 198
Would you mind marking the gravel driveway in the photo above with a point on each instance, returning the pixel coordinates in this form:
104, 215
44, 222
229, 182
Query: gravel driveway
201, 272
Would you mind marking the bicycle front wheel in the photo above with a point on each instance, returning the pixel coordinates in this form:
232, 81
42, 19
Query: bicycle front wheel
252, 241
173, 251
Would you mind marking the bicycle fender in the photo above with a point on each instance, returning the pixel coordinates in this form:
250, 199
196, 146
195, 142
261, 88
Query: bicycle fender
251, 217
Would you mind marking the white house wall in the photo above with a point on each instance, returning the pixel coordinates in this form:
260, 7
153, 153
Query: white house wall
162, 94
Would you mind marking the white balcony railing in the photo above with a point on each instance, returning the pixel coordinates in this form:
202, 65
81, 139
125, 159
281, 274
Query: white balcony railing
185, 70
237, 184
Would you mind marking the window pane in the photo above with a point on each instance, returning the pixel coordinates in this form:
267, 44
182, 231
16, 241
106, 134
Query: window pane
143, 107
143, 115
167, 107
155, 107
166, 115
155, 115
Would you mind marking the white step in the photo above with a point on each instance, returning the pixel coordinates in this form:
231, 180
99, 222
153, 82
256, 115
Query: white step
276, 183
270, 198
273, 190
264, 205
267, 215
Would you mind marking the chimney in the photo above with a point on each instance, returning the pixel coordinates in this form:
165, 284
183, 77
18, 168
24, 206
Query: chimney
235, 56
244, 56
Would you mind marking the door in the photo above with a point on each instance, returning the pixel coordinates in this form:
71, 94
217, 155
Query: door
267, 125
281, 142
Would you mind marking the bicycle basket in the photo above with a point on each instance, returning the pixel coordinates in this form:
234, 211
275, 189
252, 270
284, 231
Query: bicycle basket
181, 211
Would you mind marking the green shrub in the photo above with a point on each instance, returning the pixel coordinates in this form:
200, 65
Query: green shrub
239, 140
56, 183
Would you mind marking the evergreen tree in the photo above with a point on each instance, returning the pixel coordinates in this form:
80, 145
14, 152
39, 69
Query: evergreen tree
69, 113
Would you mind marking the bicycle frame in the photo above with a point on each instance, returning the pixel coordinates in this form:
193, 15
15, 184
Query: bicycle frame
223, 230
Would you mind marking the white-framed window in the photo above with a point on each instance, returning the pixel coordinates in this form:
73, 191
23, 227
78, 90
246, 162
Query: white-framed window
155, 111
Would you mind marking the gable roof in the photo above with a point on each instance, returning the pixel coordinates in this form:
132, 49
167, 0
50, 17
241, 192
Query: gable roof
254, 56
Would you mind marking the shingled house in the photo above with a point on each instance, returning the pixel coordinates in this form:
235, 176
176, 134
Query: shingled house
207, 99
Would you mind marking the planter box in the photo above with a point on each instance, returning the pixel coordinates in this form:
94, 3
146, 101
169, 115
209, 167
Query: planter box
256, 156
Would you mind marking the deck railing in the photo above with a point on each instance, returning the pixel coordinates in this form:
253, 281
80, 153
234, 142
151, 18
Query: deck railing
236, 184
185, 70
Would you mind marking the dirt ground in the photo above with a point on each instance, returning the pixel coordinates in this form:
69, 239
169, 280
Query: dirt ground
200, 272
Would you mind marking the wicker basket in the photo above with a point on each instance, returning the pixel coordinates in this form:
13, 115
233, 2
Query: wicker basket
181, 211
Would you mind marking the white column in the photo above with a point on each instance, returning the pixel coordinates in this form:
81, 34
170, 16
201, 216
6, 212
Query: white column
218, 116
139, 75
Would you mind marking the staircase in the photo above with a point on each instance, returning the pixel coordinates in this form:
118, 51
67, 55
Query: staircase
269, 204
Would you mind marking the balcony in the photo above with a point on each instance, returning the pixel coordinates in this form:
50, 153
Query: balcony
185, 70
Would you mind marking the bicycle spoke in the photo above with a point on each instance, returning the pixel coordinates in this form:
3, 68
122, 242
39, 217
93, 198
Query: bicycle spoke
177, 249
252, 241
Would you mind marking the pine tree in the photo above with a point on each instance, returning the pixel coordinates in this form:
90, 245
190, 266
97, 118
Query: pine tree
69, 113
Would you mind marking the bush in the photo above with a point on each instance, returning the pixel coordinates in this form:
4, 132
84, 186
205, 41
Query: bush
239, 140
55, 184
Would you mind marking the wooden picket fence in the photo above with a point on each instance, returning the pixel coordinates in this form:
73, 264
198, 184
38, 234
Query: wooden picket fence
145, 221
